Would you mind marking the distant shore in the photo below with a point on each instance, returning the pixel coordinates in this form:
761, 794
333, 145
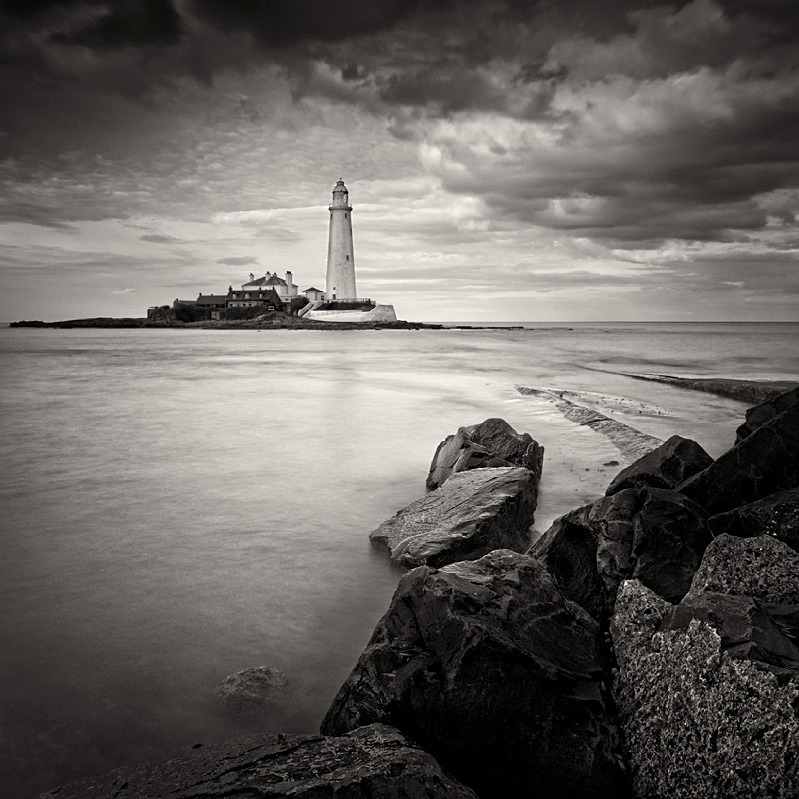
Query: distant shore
270, 322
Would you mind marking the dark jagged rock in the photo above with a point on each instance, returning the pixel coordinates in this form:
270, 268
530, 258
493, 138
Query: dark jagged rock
471, 514
746, 628
765, 412
568, 549
776, 515
491, 443
652, 534
665, 467
760, 567
373, 762
252, 690
696, 720
497, 674
763, 463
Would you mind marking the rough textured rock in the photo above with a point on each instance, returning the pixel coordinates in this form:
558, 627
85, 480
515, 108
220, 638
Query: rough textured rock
776, 515
765, 411
652, 534
760, 567
496, 673
697, 721
491, 443
764, 462
252, 690
665, 467
374, 761
471, 514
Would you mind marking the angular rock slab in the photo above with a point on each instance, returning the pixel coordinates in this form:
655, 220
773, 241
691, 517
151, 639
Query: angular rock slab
776, 515
765, 412
652, 534
471, 514
489, 444
696, 721
497, 674
764, 462
374, 761
666, 466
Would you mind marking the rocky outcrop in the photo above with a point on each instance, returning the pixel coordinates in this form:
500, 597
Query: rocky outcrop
743, 390
496, 673
766, 411
764, 462
491, 443
664, 467
776, 515
252, 690
699, 720
631, 443
471, 514
652, 534
374, 762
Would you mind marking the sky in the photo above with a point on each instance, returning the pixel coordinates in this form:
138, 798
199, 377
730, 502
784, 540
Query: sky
537, 160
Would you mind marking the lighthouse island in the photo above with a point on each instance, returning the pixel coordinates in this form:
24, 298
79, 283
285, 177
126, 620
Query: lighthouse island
268, 293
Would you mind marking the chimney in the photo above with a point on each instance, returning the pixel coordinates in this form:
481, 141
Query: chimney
252, 277
289, 281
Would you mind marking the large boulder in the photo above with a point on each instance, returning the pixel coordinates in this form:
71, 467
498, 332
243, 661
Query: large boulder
776, 515
698, 720
471, 514
764, 462
760, 567
491, 443
496, 673
666, 466
652, 534
374, 762
766, 411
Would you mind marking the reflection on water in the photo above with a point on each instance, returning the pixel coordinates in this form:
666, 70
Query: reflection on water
179, 505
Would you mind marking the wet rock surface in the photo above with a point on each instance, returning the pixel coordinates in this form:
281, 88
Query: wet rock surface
497, 674
652, 534
375, 761
776, 515
764, 462
664, 467
491, 443
471, 514
252, 690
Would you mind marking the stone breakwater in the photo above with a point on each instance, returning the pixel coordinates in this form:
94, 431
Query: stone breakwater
646, 646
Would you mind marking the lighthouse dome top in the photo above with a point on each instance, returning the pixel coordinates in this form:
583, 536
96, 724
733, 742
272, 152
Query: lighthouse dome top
339, 185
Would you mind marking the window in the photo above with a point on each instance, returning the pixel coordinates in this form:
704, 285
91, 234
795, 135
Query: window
345, 216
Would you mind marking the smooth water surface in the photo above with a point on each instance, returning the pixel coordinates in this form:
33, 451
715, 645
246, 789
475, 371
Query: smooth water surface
182, 504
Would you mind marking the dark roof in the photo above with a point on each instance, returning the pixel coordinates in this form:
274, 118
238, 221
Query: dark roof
211, 299
272, 280
312, 289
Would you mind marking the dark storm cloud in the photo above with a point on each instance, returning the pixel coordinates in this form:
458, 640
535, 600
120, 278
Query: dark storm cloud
238, 260
157, 238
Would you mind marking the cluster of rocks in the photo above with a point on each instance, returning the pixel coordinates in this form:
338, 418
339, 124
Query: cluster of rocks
645, 646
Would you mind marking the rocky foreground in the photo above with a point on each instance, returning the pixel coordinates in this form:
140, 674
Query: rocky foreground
645, 646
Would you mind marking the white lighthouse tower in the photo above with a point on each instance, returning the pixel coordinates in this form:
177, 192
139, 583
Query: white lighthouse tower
340, 255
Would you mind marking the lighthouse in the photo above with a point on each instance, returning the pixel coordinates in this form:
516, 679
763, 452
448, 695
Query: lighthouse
340, 255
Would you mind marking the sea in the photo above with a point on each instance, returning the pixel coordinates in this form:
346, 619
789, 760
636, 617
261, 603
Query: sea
179, 505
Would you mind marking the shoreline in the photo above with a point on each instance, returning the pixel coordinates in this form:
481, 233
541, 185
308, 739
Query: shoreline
279, 323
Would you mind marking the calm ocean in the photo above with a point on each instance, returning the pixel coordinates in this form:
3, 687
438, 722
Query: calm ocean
178, 505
